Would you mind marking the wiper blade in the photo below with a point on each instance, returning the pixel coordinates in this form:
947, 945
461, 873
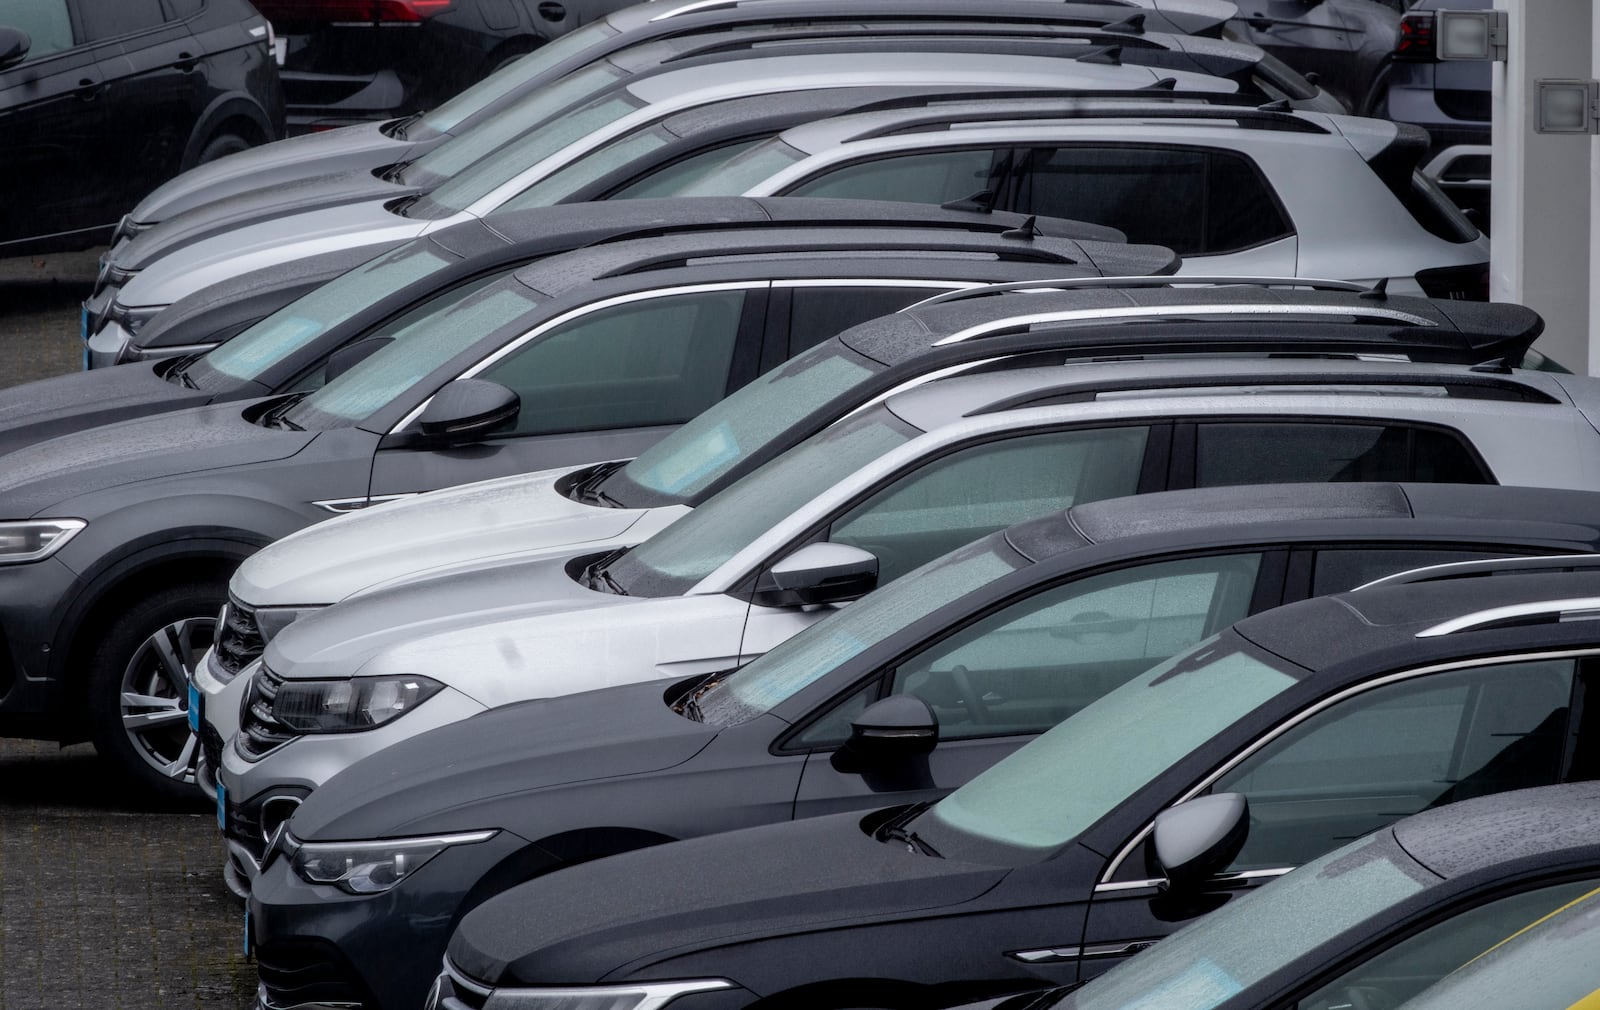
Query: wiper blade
914, 842
399, 207
275, 418
598, 578
396, 172
588, 489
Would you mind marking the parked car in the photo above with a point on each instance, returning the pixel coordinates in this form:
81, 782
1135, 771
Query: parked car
297, 346
1001, 640
1231, 189
1451, 100
1394, 913
1343, 43
374, 147
479, 185
165, 84
858, 505
133, 528
343, 62
1307, 725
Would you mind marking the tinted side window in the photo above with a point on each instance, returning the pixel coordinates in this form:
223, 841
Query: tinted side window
960, 497
1232, 453
935, 177
104, 20
659, 361
1190, 201
1033, 664
1396, 750
47, 23
1343, 569
177, 10
815, 314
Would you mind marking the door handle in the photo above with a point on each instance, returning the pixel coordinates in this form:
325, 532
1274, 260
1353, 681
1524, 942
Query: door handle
186, 63
89, 89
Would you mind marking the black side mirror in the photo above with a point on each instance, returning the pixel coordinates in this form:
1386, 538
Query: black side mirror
14, 46
351, 355
1198, 839
467, 409
889, 732
818, 573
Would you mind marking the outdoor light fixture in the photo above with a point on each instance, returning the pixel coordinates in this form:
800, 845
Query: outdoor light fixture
1470, 35
1567, 106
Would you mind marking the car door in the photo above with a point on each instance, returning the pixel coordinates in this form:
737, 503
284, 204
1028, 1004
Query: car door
942, 503
1351, 764
1309, 35
1019, 670
151, 105
604, 384
52, 116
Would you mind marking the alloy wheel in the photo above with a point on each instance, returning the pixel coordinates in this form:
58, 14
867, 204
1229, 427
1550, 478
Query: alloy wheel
155, 696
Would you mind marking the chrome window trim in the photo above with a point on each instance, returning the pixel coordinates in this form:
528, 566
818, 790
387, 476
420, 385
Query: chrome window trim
690, 8
571, 314
1158, 311
875, 282
1585, 608
1306, 713
1452, 569
341, 506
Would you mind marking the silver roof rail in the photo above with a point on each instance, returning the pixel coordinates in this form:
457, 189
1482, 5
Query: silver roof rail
1126, 313
1585, 608
1141, 281
690, 8
1485, 566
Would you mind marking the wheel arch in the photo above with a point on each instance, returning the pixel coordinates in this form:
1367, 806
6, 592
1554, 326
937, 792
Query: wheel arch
235, 109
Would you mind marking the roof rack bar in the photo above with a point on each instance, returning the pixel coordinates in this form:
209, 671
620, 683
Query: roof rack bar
1015, 323
690, 8
1142, 281
1564, 611
1185, 108
1486, 566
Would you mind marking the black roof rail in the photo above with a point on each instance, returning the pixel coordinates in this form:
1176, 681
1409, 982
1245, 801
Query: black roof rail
1082, 105
1172, 280
1096, 39
1486, 567
871, 242
1164, 90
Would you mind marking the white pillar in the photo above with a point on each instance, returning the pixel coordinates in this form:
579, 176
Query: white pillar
1544, 189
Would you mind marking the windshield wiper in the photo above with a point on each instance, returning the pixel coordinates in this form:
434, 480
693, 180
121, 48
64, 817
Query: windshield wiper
275, 418
400, 206
597, 577
180, 371
588, 489
396, 172
398, 131
914, 841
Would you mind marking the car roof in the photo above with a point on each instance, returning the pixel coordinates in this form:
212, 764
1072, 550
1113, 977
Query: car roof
1265, 513
1477, 834
988, 313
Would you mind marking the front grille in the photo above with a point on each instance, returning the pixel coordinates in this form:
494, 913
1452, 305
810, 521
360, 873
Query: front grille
211, 746
260, 733
239, 641
298, 972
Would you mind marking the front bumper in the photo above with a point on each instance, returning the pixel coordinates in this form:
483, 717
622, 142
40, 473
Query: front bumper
317, 946
32, 600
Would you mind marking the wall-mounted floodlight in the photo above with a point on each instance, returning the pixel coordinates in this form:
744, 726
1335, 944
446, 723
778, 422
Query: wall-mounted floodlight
1567, 106
1470, 35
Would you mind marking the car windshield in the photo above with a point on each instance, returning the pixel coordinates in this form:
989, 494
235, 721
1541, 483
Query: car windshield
1058, 786
245, 357
423, 340
1548, 966
674, 560
515, 77
694, 457
802, 660
1206, 962
490, 173
573, 176
745, 172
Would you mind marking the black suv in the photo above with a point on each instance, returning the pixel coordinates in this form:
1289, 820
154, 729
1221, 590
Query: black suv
101, 102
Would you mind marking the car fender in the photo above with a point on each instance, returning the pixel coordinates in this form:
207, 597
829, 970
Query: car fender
232, 105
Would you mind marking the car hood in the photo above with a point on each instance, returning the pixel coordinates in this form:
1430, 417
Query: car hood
470, 772
166, 445
209, 261
294, 197
500, 521
635, 909
63, 404
354, 148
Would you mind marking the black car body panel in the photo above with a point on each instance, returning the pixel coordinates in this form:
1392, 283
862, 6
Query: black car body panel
1344, 42
618, 769
161, 86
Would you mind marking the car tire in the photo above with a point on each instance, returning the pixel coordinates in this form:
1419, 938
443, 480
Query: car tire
138, 687
222, 145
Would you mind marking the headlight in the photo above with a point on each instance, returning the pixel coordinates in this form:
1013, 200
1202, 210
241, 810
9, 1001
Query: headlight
348, 706
271, 620
645, 996
370, 867
35, 539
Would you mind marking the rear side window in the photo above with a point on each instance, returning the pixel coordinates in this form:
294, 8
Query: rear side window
936, 177
47, 23
1290, 452
102, 21
819, 313
1190, 201
1340, 570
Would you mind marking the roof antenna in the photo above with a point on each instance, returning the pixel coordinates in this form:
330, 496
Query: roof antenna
981, 202
1498, 366
1379, 292
1133, 25
1111, 55
1281, 105
1027, 232
1165, 84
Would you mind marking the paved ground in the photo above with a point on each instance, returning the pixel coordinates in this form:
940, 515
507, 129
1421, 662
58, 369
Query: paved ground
102, 905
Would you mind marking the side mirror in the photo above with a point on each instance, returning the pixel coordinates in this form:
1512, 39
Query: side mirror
14, 46
351, 355
1198, 839
818, 573
890, 731
468, 408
